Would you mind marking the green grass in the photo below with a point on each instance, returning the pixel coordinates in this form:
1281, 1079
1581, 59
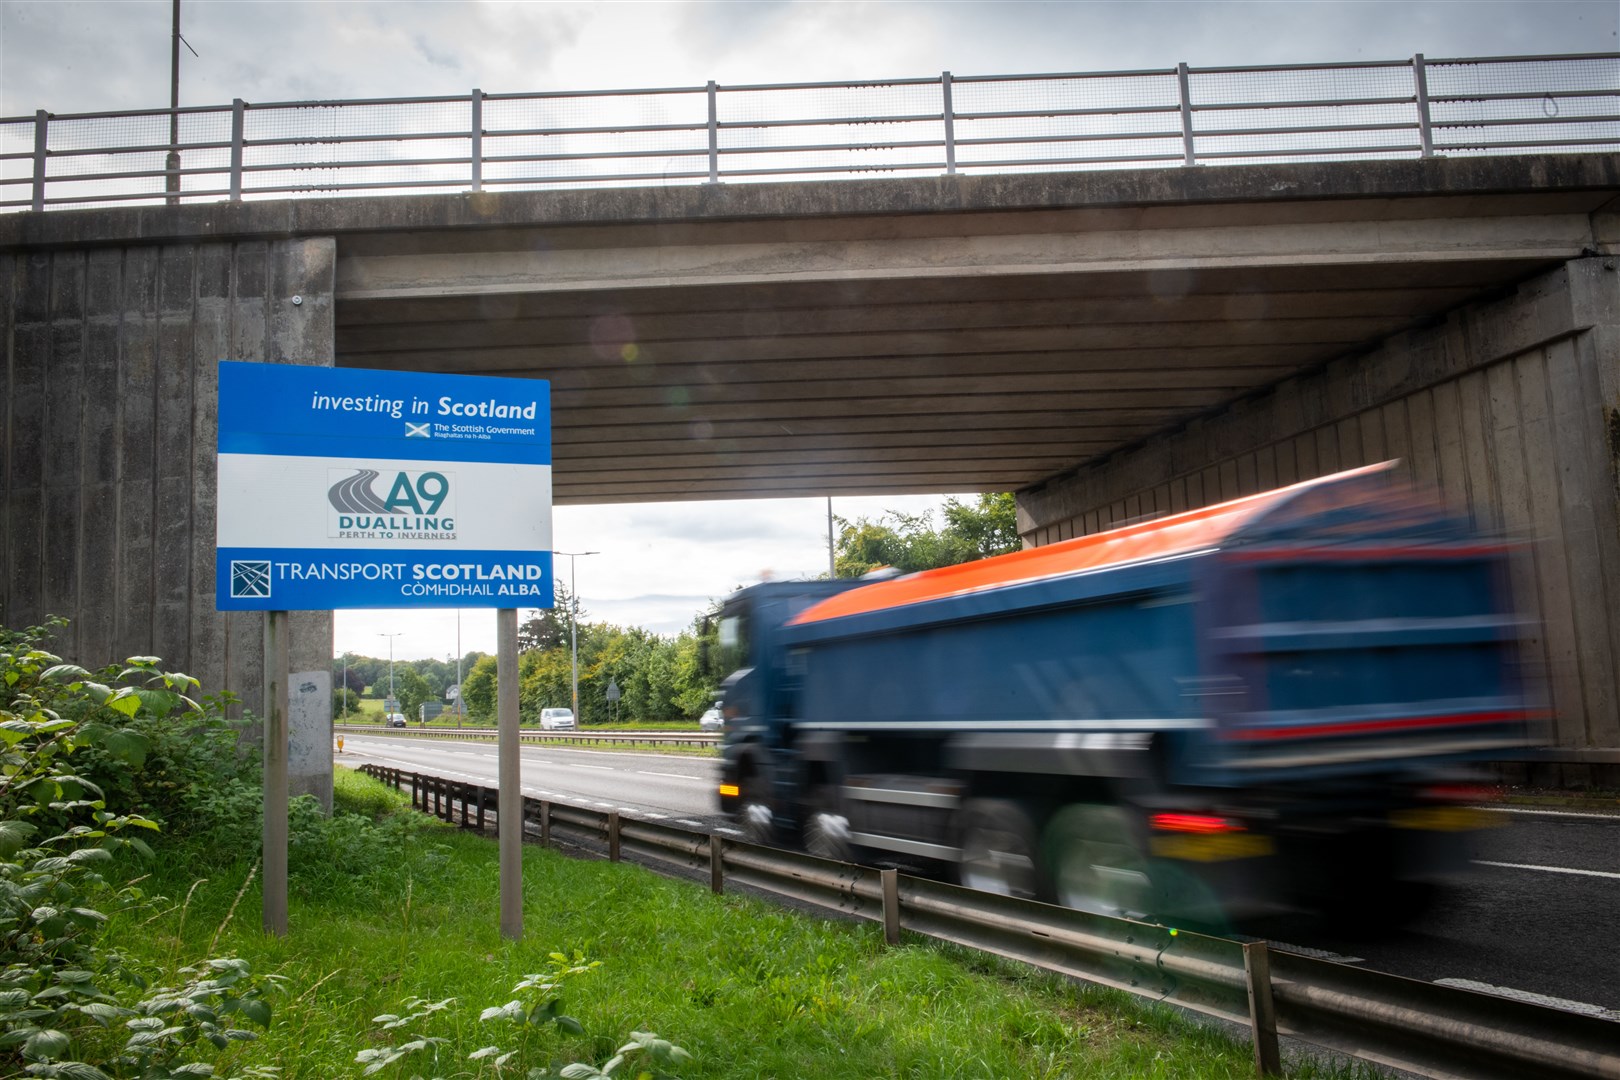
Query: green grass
749, 989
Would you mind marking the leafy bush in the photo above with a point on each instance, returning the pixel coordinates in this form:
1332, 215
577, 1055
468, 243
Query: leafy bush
67, 740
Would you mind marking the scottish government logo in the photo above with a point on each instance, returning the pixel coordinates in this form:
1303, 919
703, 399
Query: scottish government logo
370, 505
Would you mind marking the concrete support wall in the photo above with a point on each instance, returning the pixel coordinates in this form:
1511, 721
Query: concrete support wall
108, 401
1510, 411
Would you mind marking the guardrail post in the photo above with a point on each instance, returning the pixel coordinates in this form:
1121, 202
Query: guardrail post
891, 906
717, 865
1262, 1011
482, 792
1420, 84
42, 120
1187, 155
545, 822
950, 123
478, 140
714, 133
613, 836
238, 126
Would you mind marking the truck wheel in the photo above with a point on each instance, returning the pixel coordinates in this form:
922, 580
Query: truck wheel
1097, 862
999, 849
826, 831
758, 823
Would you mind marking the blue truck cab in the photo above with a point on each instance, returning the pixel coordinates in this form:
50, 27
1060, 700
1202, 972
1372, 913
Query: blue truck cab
1279, 701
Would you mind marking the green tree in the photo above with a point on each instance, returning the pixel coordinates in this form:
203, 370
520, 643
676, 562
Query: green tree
543, 683
478, 690
990, 527
412, 689
346, 673
547, 628
909, 542
345, 702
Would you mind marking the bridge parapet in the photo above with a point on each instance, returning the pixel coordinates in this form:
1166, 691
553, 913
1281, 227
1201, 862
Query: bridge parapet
939, 125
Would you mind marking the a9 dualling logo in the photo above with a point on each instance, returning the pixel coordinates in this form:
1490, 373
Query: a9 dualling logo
416, 506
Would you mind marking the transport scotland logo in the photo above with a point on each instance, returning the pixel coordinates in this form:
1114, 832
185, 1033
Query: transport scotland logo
418, 506
250, 578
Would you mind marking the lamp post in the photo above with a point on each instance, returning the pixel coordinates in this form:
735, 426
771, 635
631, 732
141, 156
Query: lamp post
573, 620
390, 638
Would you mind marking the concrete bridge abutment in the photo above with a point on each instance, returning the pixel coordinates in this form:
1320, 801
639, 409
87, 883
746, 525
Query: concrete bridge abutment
110, 409
1509, 409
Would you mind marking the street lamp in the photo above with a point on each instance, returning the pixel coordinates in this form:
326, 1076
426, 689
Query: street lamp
573, 620
390, 638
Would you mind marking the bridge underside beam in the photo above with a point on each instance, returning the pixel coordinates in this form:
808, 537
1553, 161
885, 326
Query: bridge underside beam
906, 351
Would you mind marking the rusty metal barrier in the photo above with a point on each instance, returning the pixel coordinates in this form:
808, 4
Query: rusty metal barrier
1424, 1028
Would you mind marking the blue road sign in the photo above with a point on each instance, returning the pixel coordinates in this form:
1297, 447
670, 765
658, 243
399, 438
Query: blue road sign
348, 488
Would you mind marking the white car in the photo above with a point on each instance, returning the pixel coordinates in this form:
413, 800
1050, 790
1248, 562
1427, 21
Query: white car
711, 720
557, 720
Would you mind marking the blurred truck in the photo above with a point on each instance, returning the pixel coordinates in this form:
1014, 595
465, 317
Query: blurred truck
1275, 702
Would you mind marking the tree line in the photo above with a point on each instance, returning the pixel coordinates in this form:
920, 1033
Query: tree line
662, 678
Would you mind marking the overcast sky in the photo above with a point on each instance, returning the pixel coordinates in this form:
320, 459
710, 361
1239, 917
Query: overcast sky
660, 563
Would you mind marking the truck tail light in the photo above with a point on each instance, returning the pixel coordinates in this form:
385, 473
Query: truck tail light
1204, 824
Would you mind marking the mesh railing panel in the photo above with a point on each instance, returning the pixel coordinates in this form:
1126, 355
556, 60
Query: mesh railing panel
798, 132
545, 136
1553, 105
1018, 123
92, 158
1075, 122
16, 163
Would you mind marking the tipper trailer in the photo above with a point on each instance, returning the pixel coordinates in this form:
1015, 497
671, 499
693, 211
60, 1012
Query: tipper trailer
1281, 700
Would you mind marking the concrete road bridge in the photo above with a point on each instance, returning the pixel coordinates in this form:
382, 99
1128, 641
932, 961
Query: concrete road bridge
1108, 344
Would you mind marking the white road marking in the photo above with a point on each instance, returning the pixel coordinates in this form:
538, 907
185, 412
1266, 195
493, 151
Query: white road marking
1534, 999
608, 805
1549, 869
689, 821
655, 817
1593, 814
729, 832
599, 768
1319, 954
676, 775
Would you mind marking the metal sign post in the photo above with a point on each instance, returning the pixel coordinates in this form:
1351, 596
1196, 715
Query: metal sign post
277, 665
351, 488
509, 803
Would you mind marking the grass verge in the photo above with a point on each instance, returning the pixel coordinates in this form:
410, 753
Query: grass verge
408, 910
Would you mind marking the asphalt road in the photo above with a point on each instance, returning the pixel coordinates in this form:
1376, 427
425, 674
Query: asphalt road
1538, 915
657, 787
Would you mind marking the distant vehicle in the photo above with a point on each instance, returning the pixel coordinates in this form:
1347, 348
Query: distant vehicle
557, 720
395, 719
711, 720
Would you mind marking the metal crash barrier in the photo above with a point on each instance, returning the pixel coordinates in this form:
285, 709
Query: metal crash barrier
585, 738
1424, 1028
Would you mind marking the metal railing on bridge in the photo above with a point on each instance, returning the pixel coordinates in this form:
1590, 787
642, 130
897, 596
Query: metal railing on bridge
1178, 116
